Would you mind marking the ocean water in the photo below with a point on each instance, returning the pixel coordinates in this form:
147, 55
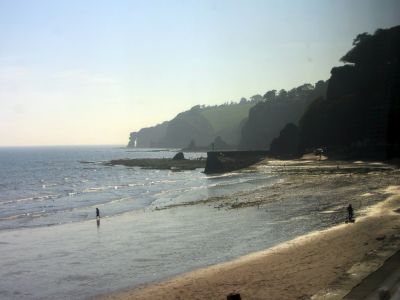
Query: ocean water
43, 186
51, 246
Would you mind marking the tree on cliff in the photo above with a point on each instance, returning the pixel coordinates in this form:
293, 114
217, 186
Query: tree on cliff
380, 48
270, 95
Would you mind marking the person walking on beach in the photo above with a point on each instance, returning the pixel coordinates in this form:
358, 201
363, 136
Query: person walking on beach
97, 213
350, 212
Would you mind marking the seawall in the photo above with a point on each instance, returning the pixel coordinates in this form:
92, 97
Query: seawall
226, 161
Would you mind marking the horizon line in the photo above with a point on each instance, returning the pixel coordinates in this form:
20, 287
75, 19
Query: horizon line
60, 145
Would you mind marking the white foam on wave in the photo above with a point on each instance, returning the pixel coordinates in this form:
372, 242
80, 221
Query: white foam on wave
135, 184
34, 198
232, 174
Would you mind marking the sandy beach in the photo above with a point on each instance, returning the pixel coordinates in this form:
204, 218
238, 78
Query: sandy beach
324, 264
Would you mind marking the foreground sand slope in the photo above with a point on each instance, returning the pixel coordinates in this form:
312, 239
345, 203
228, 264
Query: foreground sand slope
321, 265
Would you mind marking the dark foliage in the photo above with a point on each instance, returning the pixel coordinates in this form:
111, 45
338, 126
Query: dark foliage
383, 47
267, 118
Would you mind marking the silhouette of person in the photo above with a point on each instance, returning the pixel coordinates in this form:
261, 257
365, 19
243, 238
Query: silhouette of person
350, 212
97, 213
233, 296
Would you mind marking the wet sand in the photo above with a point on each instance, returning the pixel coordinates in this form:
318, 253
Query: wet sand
321, 265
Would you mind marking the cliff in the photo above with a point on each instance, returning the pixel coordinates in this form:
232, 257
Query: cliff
148, 137
200, 126
267, 118
355, 113
360, 115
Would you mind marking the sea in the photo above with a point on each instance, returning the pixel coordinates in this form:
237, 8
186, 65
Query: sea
44, 186
52, 246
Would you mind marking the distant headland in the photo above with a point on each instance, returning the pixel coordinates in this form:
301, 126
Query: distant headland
353, 114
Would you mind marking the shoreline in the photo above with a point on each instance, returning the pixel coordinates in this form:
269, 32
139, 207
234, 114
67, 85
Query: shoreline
323, 264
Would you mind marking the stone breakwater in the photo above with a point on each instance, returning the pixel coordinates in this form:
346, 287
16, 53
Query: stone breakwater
160, 163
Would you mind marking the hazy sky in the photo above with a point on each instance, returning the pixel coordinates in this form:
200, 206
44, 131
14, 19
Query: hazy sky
89, 72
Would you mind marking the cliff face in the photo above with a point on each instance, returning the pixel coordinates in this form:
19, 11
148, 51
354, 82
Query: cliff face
286, 145
267, 118
148, 137
360, 115
188, 126
356, 112
246, 125
199, 125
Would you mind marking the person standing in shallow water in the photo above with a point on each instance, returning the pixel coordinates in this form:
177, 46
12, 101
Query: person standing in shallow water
350, 212
97, 213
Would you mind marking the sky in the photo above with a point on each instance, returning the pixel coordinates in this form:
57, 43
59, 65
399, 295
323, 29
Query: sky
90, 72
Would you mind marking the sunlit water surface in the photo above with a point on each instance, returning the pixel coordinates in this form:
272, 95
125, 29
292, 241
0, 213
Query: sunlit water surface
52, 248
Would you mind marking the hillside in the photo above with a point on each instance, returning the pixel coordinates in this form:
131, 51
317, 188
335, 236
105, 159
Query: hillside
355, 113
200, 125
248, 125
360, 115
222, 117
267, 118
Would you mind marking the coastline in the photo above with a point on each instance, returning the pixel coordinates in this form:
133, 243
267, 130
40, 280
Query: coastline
323, 264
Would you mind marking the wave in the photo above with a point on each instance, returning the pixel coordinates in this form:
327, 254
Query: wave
32, 215
12, 217
95, 189
226, 175
34, 198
